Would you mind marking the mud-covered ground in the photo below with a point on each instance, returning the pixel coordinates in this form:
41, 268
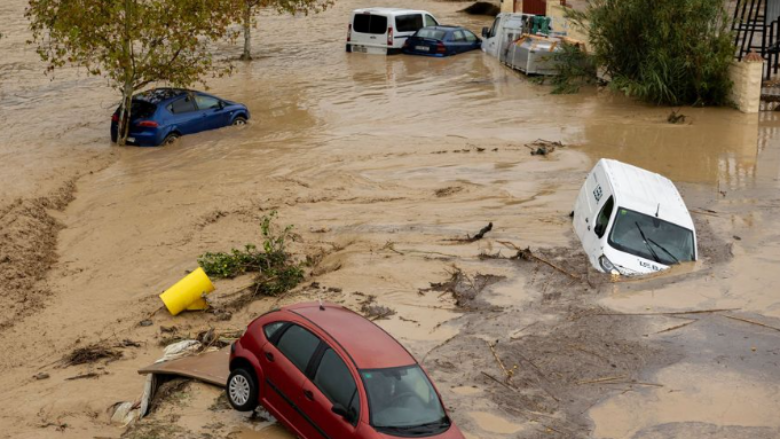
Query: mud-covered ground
385, 166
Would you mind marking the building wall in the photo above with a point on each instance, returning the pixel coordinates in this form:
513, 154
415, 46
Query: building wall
746, 93
560, 24
507, 5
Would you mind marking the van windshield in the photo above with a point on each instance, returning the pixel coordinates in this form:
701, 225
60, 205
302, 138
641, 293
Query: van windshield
651, 238
402, 400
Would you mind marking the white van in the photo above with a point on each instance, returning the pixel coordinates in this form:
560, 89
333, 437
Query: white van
384, 30
506, 29
632, 221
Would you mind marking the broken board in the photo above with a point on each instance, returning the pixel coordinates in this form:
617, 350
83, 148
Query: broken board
211, 367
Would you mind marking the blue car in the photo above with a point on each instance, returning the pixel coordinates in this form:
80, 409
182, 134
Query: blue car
162, 115
441, 41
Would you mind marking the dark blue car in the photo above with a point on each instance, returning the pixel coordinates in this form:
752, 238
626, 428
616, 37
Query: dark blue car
162, 115
441, 41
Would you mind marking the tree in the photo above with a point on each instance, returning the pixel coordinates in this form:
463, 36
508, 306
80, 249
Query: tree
281, 7
133, 43
671, 52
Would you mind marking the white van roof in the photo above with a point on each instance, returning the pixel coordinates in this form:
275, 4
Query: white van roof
642, 191
389, 11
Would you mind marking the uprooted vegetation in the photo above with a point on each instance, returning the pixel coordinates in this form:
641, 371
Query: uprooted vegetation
91, 354
465, 289
277, 271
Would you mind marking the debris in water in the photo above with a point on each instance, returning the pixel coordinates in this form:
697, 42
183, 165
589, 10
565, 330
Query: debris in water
447, 191
91, 354
374, 311
543, 147
41, 376
84, 376
465, 289
481, 233
482, 8
675, 117
145, 323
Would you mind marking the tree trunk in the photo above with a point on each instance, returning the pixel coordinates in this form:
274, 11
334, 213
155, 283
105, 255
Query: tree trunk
247, 55
123, 127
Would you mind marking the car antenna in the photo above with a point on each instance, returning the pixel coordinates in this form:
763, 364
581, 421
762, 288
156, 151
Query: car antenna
657, 210
322, 307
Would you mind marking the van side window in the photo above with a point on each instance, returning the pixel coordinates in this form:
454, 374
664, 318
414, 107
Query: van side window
409, 23
430, 21
370, 24
603, 219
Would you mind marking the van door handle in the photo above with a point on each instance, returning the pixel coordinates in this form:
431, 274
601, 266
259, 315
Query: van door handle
308, 394
269, 356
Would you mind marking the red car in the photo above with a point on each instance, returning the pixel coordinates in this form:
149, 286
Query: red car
325, 372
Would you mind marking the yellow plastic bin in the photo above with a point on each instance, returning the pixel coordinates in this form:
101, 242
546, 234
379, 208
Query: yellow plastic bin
187, 294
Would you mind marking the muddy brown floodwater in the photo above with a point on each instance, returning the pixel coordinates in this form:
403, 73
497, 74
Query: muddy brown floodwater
383, 164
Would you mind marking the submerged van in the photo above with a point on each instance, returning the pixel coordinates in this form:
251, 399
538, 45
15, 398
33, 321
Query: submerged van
632, 221
506, 29
384, 30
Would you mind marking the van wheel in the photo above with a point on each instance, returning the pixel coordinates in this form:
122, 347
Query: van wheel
349, 48
242, 390
170, 139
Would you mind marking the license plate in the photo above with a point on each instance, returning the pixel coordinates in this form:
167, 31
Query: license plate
131, 139
360, 49
422, 48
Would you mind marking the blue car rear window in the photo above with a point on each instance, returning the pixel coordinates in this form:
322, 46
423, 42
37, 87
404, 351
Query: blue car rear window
141, 110
431, 34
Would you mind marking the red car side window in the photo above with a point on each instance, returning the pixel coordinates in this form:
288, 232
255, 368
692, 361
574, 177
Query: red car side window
272, 328
298, 345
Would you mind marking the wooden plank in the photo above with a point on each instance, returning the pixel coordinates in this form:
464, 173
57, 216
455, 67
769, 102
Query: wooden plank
211, 367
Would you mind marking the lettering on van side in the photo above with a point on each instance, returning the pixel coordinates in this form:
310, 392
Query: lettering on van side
597, 193
649, 265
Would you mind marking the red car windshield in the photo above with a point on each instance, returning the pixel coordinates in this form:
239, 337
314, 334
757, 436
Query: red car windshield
402, 399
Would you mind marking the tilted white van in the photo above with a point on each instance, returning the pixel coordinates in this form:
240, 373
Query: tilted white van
632, 221
385, 30
506, 29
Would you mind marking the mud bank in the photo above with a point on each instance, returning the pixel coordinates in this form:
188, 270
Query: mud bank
384, 166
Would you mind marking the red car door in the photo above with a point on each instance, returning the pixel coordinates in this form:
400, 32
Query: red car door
284, 363
331, 386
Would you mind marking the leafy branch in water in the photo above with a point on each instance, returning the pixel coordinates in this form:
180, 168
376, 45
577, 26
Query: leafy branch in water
573, 68
277, 271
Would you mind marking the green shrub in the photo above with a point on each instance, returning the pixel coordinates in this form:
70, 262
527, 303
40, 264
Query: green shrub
573, 69
672, 52
277, 271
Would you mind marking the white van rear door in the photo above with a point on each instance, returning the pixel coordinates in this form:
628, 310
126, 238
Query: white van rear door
369, 30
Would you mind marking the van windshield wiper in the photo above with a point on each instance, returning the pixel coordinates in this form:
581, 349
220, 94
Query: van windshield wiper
644, 239
665, 250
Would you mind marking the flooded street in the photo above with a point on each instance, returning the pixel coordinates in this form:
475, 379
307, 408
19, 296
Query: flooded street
382, 164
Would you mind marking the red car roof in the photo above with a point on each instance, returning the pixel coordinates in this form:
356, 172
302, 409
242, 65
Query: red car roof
369, 345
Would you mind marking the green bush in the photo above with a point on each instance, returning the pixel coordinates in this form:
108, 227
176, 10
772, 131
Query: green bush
573, 69
277, 272
672, 52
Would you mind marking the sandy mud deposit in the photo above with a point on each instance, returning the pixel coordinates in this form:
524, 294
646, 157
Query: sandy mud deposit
386, 167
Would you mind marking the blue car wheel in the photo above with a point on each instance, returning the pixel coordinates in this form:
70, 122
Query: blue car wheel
170, 139
240, 120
